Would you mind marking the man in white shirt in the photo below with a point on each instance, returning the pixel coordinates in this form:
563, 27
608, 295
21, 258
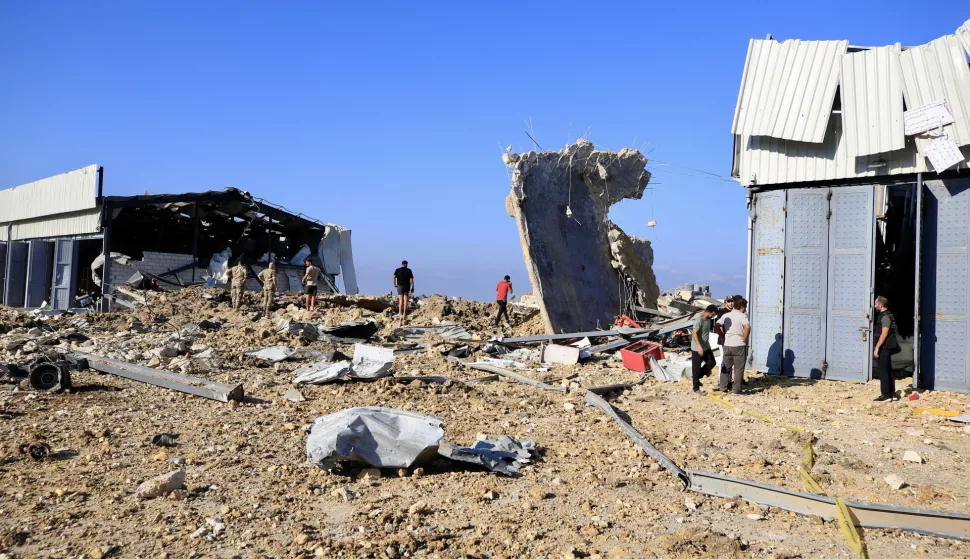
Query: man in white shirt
736, 332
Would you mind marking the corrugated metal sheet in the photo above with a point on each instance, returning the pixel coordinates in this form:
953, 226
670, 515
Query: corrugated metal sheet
787, 89
85, 222
67, 192
771, 161
963, 33
938, 71
872, 101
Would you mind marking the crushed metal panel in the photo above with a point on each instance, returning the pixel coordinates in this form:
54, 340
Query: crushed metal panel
381, 437
806, 261
65, 273
872, 101
848, 347
938, 71
926, 118
38, 273
963, 33
788, 88
944, 286
68, 192
943, 153
767, 281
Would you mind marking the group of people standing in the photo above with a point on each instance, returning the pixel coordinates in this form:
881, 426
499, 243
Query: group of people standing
239, 273
403, 279
732, 330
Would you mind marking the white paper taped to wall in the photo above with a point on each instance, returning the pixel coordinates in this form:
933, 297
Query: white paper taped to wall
926, 118
943, 153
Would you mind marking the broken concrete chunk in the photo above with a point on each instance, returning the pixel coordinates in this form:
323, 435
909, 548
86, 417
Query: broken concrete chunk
561, 201
294, 395
911, 456
559, 354
161, 485
895, 481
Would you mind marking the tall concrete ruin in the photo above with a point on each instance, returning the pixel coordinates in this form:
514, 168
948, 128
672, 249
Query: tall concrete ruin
584, 269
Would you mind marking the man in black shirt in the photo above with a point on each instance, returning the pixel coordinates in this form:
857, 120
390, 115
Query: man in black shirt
885, 346
404, 284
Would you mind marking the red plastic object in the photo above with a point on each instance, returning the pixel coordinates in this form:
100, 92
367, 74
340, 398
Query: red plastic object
635, 355
624, 320
913, 396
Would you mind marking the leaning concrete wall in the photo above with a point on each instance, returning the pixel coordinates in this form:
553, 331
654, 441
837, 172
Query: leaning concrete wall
561, 201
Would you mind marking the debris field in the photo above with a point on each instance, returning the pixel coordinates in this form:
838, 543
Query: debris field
232, 479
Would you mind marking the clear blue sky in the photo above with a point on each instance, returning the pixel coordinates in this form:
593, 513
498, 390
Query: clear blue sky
390, 118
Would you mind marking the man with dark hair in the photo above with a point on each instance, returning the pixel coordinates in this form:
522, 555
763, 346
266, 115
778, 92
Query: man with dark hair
502, 291
311, 280
886, 345
736, 333
404, 283
701, 354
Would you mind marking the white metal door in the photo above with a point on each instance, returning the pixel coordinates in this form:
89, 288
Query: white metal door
848, 348
806, 258
767, 281
65, 273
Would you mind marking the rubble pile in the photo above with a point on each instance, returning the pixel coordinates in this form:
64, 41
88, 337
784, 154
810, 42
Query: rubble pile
514, 463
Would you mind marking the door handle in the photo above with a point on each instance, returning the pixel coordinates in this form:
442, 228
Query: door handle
865, 333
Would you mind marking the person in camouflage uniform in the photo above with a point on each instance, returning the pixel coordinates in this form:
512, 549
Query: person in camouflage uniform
238, 275
268, 277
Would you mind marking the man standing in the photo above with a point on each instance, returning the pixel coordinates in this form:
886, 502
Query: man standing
238, 276
701, 355
502, 291
404, 283
736, 332
717, 328
310, 280
268, 277
884, 348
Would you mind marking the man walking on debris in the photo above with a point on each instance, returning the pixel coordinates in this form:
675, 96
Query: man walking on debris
736, 332
502, 291
238, 276
268, 277
701, 354
310, 281
886, 345
404, 283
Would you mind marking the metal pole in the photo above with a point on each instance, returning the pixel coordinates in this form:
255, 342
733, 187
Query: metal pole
195, 239
916, 304
106, 250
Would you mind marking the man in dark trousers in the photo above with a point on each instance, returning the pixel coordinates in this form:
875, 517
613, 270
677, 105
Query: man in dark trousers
886, 345
502, 291
701, 354
404, 284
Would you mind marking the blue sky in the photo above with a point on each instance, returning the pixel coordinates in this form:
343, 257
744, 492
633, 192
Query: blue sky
390, 118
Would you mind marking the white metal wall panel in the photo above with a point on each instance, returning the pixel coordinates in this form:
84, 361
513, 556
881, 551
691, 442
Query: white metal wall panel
38, 273
86, 222
944, 282
848, 348
938, 71
65, 273
767, 281
16, 280
806, 261
872, 101
67, 192
787, 89
963, 33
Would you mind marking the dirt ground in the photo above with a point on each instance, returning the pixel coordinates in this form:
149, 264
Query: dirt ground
590, 492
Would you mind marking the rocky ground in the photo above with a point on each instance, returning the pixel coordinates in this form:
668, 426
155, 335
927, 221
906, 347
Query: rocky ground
249, 492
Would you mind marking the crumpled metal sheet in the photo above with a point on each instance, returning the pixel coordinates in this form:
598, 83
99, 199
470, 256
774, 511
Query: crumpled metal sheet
504, 455
273, 354
381, 437
369, 363
321, 372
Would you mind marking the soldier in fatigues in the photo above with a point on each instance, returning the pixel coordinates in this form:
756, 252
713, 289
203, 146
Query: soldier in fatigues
268, 277
238, 276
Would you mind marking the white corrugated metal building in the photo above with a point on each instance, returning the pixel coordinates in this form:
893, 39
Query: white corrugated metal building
52, 230
855, 161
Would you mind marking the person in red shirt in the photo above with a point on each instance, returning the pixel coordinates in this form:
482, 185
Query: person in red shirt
502, 291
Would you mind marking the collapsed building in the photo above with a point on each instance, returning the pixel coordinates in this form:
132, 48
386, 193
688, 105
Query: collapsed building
854, 160
585, 270
55, 232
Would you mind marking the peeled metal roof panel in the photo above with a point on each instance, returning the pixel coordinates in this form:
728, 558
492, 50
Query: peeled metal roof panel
787, 89
938, 71
872, 101
963, 33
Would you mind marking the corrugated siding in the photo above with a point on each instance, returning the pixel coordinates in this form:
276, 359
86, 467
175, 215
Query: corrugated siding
771, 161
963, 33
872, 101
787, 89
938, 71
85, 222
64, 193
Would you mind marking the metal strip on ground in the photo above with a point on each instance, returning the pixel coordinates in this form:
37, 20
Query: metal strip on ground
182, 383
597, 401
515, 376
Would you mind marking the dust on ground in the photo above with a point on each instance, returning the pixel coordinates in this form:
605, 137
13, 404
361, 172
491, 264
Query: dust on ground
590, 493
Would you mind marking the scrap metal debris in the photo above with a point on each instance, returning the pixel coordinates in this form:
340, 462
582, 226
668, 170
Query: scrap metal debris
369, 363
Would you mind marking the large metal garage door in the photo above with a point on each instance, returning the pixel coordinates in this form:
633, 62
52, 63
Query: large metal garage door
767, 281
38, 273
944, 284
3, 269
16, 280
806, 257
848, 349
65, 273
